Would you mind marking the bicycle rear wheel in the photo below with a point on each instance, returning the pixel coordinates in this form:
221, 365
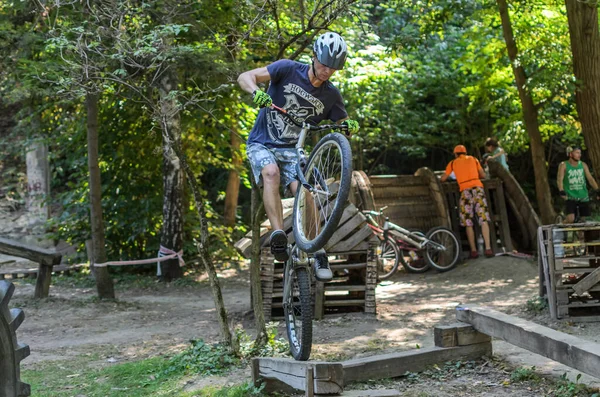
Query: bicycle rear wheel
298, 313
446, 259
329, 170
388, 258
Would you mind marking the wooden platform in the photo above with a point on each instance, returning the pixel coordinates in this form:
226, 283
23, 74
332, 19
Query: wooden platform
459, 342
569, 261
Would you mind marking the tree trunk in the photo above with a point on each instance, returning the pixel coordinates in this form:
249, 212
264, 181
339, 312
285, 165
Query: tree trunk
104, 283
172, 230
585, 45
255, 285
542, 188
233, 184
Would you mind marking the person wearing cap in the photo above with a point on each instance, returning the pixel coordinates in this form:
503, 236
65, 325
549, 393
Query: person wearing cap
307, 95
469, 173
571, 178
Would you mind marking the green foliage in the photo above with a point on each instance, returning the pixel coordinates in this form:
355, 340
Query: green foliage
275, 347
566, 388
536, 305
204, 359
523, 374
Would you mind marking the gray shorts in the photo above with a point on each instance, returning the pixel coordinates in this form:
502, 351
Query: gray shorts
260, 155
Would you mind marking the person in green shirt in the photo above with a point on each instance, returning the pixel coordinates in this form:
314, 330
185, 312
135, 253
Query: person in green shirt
571, 178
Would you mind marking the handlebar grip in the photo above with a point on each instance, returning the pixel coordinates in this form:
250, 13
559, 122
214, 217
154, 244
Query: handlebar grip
383, 208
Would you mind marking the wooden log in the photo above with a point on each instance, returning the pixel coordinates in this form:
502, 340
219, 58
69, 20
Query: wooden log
397, 364
273, 372
588, 282
567, 349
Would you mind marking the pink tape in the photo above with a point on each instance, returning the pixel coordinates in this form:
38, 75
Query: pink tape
170, 254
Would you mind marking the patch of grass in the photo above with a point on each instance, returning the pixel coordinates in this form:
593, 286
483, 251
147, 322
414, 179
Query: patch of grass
523, 374
243, 390
536, 305
75, 378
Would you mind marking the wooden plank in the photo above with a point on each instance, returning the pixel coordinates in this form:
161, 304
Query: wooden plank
328, 377
31, 252
319, 300
364, 233
504, 224
372, 393
345, 230
567, 349
397, 364
458, 334
588, 282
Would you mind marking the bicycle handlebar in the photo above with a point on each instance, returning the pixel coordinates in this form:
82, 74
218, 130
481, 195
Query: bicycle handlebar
311, 127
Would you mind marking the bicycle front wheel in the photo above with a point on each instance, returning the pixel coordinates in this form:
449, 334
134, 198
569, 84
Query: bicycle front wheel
444, 253
298, 313
317, 214
388, 258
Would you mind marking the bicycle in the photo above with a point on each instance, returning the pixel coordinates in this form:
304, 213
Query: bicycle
439, 248
325, 180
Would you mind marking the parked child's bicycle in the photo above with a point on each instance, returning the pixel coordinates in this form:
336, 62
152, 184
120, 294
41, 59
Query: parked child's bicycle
438, 248
320, 200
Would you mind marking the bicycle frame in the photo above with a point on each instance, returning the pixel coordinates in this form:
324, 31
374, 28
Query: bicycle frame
404, 236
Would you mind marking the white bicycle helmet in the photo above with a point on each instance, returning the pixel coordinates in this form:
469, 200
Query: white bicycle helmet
331, 50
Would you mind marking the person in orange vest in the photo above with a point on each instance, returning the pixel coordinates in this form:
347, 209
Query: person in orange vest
469, 174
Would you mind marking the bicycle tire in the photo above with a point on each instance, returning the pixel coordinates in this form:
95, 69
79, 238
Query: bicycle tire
388, 251
418, 265
298, 311
330, 160
446, 260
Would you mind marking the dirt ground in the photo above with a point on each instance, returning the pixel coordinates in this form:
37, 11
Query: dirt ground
163, 318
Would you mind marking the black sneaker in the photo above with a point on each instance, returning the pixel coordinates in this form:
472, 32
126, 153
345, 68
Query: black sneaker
279, 245
321, 267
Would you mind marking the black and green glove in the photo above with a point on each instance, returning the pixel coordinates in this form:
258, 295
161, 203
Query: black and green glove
262, 99
351, 126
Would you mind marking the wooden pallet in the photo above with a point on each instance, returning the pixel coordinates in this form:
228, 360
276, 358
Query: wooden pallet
572, 271
352, 256
351, 290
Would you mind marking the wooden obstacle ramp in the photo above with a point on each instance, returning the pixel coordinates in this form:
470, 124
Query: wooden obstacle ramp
566, 349
569, 267
453, 342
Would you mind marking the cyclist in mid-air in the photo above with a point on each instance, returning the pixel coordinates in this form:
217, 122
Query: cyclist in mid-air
306, 93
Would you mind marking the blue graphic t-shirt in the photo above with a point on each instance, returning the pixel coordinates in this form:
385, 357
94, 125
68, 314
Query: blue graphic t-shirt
291, 89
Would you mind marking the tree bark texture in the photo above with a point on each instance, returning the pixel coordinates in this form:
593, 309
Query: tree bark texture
104, 283
255, 284
233, 183
542, 188
172, 230
585, 45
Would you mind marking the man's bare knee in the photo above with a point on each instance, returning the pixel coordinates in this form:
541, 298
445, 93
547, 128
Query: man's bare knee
270, 173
